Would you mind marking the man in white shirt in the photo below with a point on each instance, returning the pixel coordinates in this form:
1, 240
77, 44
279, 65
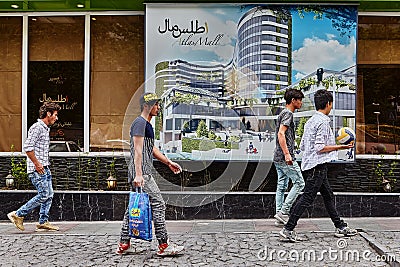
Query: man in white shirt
38, 168
319, 147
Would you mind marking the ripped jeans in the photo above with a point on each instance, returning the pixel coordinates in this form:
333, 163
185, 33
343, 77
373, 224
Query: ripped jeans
44, 197
285, 173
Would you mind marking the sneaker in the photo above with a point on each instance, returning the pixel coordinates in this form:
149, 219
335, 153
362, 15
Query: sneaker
290, 236
123, 248
169, 249
46, 227
345, 231
283, 218
16, 220
278, 223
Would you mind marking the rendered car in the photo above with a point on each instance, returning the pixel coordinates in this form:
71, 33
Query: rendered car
64, 146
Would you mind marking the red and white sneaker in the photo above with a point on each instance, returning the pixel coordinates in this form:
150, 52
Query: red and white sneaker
169, 249
123, 248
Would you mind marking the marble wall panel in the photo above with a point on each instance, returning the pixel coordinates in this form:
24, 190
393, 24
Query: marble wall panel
98, 206
81, 173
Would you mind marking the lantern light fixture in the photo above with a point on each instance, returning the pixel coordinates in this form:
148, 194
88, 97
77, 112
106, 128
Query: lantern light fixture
10, 180
111, 182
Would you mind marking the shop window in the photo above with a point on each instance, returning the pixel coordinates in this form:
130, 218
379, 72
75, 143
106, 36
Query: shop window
378, 96
380, 130
168, 124
10, 83
55, 74
60, 82
179, 123
117, 71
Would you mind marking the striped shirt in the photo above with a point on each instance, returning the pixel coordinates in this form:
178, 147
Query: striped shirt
141, 127
317, 135
38, 141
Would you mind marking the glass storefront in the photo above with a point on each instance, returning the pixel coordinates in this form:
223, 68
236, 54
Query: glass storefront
60, 51
110, 49
378, 94
117, 71
55, 73
10, 83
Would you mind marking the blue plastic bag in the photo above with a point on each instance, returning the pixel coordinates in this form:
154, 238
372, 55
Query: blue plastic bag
140, 221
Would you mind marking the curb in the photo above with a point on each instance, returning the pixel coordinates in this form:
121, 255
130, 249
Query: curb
390, 257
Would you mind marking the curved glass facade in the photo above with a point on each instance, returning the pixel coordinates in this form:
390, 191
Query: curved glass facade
263, 42
182, 73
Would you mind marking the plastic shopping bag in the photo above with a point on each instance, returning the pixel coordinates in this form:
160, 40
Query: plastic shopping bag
140, 221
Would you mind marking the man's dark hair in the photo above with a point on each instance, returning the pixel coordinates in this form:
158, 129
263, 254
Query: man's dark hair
293, 94
321, 98
48, 107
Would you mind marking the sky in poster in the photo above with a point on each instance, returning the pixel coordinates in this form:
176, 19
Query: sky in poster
315, 42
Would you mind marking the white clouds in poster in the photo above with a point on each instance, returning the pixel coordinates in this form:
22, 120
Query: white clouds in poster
225, 49
219, 11
329, 54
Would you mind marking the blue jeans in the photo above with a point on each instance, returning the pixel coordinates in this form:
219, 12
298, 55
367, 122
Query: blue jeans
286, 172
316, 181
44, 198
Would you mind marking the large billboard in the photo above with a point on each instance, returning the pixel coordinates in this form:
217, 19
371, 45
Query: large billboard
221, 71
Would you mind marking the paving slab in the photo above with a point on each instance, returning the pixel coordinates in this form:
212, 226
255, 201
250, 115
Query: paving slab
207, 243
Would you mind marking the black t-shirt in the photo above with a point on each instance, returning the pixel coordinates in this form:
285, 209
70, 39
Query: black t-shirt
141, 127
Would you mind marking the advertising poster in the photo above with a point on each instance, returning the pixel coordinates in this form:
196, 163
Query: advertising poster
221, 72
60, 82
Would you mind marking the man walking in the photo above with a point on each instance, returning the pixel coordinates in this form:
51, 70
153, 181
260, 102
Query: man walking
284, 159
319, 148
37, 150
140, 168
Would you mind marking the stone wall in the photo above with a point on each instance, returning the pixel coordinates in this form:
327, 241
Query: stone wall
81, 190
102, 206
90, 173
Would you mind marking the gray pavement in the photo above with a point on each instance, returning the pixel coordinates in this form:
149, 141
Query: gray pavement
207, 243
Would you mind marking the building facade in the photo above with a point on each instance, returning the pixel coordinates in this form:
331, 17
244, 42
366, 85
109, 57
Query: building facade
49, 47
264, 49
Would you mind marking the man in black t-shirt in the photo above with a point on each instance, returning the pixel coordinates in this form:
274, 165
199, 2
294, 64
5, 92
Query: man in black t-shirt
140, 175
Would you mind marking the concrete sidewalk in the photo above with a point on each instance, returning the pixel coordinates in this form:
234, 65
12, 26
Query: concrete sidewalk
207, 242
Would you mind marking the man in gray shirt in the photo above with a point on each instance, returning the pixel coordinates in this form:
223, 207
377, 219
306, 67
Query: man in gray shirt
37, 149
284, 159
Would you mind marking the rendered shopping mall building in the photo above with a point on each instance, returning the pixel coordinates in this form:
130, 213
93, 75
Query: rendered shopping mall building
258, 72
